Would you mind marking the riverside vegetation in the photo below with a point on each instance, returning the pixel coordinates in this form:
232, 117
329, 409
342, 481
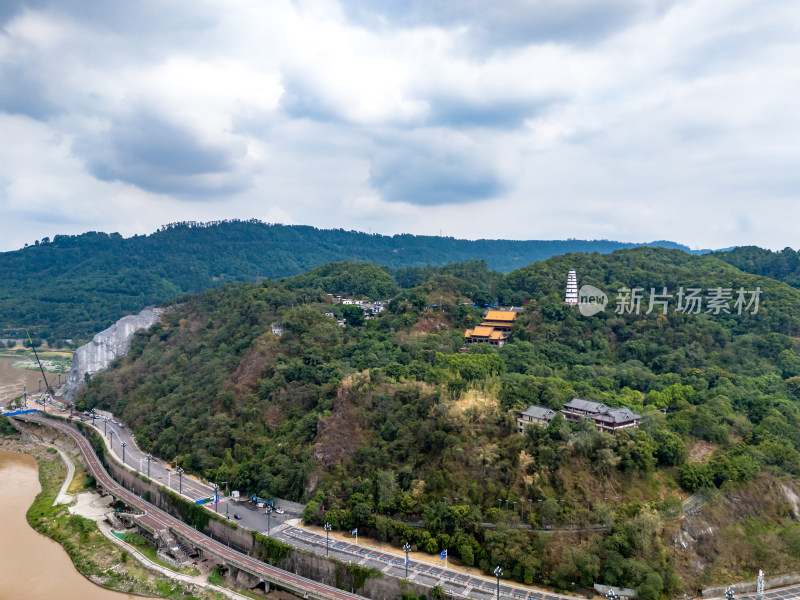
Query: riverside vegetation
97, 558
383, 426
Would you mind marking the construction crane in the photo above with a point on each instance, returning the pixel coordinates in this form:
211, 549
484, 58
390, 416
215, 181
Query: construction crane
41, 368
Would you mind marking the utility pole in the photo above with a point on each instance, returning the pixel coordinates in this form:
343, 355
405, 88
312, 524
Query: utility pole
269, 520
407, 549
498, 572
180, 480
148, 458
111, 438
216, 498
123, 451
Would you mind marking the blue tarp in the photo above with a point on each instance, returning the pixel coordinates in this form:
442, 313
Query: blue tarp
22, 412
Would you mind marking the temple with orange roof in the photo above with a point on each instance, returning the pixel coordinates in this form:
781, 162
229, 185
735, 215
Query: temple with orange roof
494, 329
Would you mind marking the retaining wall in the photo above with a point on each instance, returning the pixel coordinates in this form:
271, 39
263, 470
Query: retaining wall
300, 562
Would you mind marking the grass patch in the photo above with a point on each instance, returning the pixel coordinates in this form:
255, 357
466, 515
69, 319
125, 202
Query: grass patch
215, 578
80, 482
6, 428
151, 553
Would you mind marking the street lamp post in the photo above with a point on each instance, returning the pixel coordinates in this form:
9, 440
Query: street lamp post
327, 532
94, 416
105, 426
123, 451
180, 480
216, 498
498, 572
111, 438
148, 458
269, 520
406, 549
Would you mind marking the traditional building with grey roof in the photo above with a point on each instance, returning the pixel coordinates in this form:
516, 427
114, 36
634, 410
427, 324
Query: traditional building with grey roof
538, 415
605, 417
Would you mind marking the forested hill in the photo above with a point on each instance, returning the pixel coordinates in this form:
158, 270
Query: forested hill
783, 265
74, 286
383, 422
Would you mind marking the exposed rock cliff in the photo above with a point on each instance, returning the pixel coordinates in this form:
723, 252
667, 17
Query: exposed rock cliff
105, 347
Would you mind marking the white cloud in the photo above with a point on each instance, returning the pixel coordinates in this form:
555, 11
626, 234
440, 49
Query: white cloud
661, 120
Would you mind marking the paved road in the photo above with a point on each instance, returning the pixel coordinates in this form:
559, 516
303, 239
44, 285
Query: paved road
115, 433
62, 497
454, 582
787, 593
158, 520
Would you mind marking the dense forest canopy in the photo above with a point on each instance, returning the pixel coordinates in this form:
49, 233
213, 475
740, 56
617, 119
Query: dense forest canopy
783, 265
383, 421
75, 286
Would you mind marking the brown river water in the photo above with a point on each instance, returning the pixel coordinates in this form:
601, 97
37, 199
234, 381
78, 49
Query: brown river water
32, 566
13, 378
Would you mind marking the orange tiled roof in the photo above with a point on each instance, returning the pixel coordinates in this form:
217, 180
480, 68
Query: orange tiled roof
501, 315
482, 332
495, 324
498, 335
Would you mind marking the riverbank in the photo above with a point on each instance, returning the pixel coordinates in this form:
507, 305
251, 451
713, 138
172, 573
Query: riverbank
94, 550
98, 559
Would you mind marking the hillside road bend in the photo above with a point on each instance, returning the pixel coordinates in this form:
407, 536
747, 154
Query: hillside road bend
159, 520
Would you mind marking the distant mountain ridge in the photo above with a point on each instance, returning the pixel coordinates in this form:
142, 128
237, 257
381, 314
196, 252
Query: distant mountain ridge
74, 286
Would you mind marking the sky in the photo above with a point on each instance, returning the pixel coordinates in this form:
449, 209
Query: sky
630, 120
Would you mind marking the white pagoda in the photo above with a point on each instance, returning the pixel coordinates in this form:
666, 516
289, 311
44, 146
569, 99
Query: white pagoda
572, 288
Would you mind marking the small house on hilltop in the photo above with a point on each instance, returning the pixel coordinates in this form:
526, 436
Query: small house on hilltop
605, 418
539, 415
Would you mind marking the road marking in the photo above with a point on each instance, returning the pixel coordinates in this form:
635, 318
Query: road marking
467, 590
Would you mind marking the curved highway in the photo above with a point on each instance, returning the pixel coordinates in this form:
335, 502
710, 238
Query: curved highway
158, 519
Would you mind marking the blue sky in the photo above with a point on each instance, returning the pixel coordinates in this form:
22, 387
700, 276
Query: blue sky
539, 119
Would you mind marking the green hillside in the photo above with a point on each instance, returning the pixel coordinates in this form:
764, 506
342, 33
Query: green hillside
74, 286
384, 422
783, 265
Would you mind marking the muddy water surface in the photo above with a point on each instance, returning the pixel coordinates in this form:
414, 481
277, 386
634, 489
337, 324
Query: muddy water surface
13, 378
32, 566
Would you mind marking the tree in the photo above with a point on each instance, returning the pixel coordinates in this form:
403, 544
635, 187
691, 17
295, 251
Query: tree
549, 512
